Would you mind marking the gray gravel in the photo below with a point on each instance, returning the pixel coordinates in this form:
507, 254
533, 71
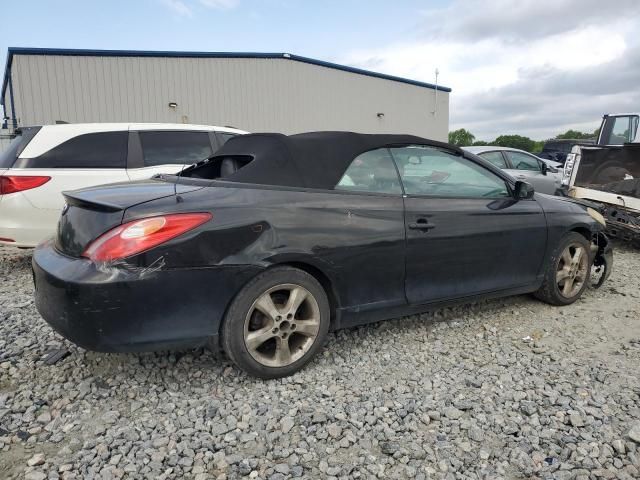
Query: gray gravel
510, 389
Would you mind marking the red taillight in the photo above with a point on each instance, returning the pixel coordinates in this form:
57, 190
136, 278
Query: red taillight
139, 235
16, 183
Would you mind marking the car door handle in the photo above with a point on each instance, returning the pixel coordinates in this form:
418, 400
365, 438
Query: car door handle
421, 224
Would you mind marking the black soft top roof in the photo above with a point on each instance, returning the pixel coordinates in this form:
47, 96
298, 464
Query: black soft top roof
309, 160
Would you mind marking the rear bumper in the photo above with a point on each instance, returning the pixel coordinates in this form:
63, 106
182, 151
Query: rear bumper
115, 308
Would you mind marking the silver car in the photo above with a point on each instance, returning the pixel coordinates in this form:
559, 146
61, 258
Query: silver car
545, 175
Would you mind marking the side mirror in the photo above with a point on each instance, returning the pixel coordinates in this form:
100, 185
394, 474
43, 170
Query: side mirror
523, 190
544, 168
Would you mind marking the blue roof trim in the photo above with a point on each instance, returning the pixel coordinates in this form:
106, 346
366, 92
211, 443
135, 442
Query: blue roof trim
149, 53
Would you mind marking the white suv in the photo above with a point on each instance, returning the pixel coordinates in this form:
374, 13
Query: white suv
42, 162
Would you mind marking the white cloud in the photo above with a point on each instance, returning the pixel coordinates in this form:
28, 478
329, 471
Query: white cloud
518, 67
522, 20
220, 4
179, 7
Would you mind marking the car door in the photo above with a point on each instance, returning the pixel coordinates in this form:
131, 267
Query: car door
530, 169
465, 233
369, 252
153, 152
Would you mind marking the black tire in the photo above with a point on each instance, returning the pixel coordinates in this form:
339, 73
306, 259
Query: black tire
610, 173
243, 311
550, 291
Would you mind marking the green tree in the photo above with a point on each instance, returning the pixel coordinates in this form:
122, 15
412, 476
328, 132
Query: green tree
480, 143
515, 141
461, 137
574, 134
539, 145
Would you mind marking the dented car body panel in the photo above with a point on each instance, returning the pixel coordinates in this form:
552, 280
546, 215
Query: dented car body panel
271, 200
175, 295
609, 176
112, 308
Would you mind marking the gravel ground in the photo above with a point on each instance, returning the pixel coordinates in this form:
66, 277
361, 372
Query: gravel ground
510, 389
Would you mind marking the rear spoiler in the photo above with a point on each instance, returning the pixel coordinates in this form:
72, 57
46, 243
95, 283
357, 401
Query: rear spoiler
76, 199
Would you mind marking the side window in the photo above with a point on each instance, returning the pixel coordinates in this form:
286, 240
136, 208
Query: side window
185, 147
496, 158
522, 161
620, 133
371, 172
435, 172
617, 130
92, 150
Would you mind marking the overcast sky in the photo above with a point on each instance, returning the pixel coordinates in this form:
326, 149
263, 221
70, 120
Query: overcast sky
531, 67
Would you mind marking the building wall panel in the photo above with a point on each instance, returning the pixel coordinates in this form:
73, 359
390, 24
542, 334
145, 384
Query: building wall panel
255, 94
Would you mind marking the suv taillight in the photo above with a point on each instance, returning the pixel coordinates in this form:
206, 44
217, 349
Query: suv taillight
568, 168
140, 235
16, 183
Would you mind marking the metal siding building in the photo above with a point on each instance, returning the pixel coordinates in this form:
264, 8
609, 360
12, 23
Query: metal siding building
256, 92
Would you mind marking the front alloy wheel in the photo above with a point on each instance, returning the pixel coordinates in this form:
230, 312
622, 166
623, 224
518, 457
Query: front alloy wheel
567, 271
572, 270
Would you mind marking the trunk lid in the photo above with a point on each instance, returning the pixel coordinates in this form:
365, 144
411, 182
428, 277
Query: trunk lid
90, 212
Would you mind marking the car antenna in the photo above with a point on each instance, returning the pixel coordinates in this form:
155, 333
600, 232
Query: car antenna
179, 174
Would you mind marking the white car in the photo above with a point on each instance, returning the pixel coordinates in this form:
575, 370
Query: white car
42, 162
545, 175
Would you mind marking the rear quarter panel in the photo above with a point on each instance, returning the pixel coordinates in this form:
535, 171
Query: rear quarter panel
356, 240
23, 223
32, 215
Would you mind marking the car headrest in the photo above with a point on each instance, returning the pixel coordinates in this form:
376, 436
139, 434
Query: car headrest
229, 166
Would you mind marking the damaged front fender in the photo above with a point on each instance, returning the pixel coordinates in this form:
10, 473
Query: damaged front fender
602, 259
622, 223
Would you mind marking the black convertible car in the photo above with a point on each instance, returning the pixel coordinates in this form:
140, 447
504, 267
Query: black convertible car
274, 241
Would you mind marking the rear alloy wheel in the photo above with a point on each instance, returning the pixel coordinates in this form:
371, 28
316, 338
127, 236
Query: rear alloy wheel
282, 325
568, 271
277, 323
